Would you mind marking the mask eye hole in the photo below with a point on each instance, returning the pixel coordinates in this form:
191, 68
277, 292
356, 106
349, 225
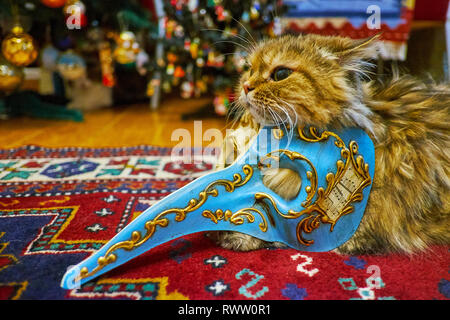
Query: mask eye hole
280, 73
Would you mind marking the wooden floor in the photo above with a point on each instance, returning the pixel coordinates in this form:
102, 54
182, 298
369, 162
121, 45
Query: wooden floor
112, 127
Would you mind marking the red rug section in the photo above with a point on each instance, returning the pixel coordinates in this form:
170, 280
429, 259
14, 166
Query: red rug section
43, 231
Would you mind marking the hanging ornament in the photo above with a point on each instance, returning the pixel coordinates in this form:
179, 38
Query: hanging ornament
254, 10
53, 3
170, 69
239, 60
30, 6
177, 4
220, 12
171, 57
11, 77
19, 47
245, 17
211, 58
142, 59
201, 87
166, 86
151, 85
177, 75
187, 89
179, 31
192, 5
127, 48
187, 44
179, 72
277, 27
150, 89
124, 56
215, 59
106, 64
200, 62
170, 28
194, 48
221, 103
71, 66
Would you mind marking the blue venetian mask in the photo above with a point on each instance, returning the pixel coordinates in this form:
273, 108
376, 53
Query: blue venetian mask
336, 169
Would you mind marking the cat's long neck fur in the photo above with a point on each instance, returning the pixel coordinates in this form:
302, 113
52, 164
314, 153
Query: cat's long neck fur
357, 113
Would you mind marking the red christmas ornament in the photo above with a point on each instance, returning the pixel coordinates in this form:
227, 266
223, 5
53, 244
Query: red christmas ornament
108, 80
106, 63
54, 3
179, 72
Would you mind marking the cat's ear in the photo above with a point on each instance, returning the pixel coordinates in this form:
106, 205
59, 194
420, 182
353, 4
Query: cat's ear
357, 50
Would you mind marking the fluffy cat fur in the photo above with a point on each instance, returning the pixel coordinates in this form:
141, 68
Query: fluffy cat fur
408, 121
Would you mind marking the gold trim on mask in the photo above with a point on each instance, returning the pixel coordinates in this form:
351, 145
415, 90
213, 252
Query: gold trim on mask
236, 218
323, 137
180, 214
343, 188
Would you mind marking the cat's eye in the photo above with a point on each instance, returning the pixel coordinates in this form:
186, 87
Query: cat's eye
280, 73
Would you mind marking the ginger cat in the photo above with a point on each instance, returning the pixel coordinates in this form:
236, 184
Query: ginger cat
320, 81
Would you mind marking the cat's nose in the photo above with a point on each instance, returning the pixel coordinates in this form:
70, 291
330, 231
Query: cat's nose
247, 87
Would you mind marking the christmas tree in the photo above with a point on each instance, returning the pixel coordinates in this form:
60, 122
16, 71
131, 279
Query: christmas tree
103, 41
206, 43
142, 49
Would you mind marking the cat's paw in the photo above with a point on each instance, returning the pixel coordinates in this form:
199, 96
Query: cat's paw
236, 241
240, 242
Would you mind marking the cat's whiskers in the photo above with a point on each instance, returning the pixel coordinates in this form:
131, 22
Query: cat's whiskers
278, 123
289, 120
273, 116
248, 32
233, 42
240, 37
289, 129
292, 123
238, 108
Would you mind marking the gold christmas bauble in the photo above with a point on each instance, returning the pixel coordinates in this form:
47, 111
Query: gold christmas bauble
11, 77
127, 48
19, 48
124, 56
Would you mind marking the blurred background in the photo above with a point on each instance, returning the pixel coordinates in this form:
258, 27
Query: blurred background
129, 72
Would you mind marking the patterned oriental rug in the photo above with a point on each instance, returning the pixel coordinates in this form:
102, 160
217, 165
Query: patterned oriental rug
57, 206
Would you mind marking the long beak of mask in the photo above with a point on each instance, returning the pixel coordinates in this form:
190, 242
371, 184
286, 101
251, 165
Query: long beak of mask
336, 169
